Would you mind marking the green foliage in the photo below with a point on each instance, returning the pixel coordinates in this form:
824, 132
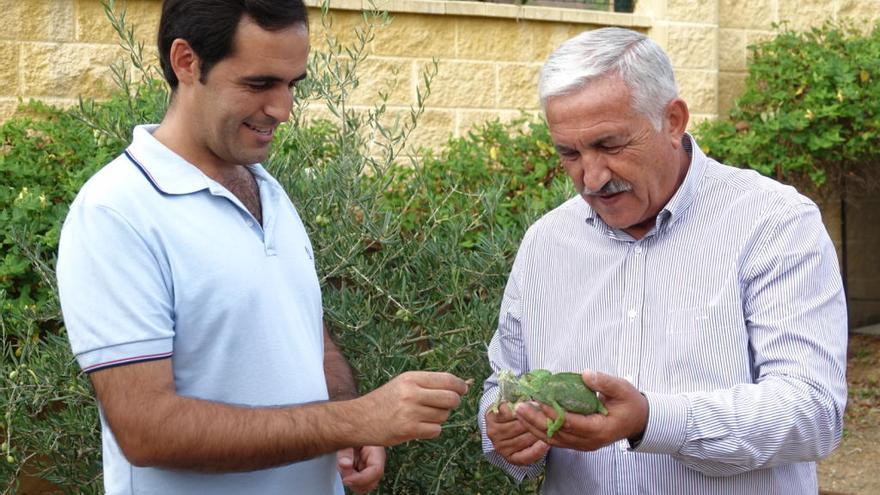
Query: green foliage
413, 251
811, 109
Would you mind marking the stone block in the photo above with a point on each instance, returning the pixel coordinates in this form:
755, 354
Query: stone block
730, 87
9, 69
92, 25
467, 120
803, 14
518, 86
7, 108
341, 26
748, 14
699, 88
700, 11
393, 77
867, 11
38, 20
434, 129
692, 47
410, 34
464, 84
68, 70
732, 51
499, 39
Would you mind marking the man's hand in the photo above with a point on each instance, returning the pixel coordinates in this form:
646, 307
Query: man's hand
411, 406
361, 467
511, 438
627, 416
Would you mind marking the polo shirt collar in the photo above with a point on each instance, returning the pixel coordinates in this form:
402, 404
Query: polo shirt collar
165, 169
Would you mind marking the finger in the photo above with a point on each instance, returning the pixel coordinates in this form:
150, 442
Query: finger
443, 399
440, 381
530, 454
532, 419
517, 443
607, 385
345, 461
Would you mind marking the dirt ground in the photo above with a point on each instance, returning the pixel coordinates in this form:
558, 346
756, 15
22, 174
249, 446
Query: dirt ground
851, 468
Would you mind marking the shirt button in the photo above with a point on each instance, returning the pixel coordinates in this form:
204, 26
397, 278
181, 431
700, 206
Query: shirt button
631, 314
638, 250
249, 222
622, 445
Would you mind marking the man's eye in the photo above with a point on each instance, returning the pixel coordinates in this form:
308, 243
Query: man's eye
613, 150
258, 86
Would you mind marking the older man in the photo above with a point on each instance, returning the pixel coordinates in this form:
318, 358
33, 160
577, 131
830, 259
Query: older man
702, 301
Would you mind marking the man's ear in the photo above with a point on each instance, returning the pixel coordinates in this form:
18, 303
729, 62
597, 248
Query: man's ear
675, 119
184, 62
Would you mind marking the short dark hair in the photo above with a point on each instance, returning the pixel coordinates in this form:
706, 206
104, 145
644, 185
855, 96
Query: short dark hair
209, 27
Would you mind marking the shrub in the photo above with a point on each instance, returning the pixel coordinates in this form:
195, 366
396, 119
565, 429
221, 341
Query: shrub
810, 113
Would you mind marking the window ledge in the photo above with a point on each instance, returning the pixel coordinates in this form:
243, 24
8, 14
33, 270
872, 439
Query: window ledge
482, 9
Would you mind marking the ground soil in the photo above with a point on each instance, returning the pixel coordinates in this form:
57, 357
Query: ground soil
850, 469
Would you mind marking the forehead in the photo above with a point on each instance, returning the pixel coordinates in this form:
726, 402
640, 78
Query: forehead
602, 105
279, 52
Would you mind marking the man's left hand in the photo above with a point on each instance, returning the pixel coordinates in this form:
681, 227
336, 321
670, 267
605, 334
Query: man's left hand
361, 468
627, 416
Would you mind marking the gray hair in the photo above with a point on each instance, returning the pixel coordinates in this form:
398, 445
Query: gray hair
636, 59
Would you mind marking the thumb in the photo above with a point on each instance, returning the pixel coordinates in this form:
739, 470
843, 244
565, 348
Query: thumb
607, 385
345, 459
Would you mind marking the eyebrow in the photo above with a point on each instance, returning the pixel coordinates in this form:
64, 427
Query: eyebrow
270, 79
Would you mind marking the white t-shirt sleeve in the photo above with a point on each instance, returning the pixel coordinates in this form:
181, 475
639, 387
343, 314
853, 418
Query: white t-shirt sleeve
115, 292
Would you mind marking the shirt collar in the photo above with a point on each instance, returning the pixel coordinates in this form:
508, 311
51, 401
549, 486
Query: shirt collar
682, 198
165, 169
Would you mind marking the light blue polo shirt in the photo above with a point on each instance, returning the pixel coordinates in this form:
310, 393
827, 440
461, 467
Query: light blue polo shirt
157, 260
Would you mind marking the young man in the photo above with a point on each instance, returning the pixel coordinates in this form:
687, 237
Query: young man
706, 301
190, 295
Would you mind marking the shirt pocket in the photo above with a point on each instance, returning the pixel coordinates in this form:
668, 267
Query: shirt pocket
707, 348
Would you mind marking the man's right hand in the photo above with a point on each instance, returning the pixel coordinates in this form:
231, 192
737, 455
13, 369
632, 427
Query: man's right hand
411, 406
511, 439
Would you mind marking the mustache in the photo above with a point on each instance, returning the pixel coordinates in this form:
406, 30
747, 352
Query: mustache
613, 186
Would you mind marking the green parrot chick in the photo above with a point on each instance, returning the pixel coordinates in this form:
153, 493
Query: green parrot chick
563, 392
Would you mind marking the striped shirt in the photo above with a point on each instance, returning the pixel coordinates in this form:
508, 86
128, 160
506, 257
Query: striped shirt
729, 315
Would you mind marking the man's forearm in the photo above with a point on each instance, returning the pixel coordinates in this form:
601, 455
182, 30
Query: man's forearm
184, 434
341, 384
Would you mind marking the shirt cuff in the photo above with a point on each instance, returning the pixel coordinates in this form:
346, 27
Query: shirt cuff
128, 353
667, 424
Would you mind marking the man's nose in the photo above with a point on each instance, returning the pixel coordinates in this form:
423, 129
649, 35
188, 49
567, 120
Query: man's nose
279, 104
594, 170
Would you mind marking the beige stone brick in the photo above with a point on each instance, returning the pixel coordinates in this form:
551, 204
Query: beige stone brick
701, 11
9, 69
547, 36
867, 11
464, 84
342, 27
499, 39
67, 70
467, 120
699, 88
730, 87
409, 34
749, 14
37, 20
756, 38
692, 47
92, 25
434, 130
732, 49
7, 108
804, 14
392, 77
518, 86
